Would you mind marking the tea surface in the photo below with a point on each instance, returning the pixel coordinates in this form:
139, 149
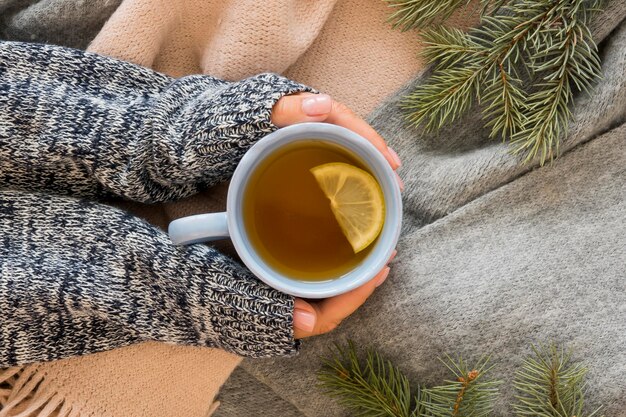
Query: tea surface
289, 219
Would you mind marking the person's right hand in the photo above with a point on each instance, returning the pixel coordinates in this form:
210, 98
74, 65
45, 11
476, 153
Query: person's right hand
312, 318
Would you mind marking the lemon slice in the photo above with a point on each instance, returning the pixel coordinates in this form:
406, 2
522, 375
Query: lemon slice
355, 199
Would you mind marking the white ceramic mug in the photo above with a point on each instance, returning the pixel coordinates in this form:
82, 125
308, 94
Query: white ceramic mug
213, 226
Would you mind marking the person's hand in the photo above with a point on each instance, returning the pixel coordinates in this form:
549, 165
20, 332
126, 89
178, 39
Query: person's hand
308, 107
311, 318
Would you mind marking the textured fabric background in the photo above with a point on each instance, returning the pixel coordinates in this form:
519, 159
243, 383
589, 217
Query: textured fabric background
61, 22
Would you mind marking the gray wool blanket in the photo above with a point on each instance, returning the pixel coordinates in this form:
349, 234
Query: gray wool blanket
494, 255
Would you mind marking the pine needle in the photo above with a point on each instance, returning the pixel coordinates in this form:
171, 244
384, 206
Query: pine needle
469, 394
370, 388
551, 385
411, 14
547, 41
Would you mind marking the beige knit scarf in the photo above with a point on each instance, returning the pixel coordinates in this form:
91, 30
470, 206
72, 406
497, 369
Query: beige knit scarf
342, 47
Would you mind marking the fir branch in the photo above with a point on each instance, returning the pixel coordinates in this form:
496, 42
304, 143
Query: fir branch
491, 6
421, 400
446, 96
550, 385
374, 388
468, 395
503, 95
420, 14
563, 54
455, 82
412, 14
549, 41
504, 102
450, 46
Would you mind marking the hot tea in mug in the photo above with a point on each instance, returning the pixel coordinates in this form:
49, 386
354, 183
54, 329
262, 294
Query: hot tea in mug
289, 219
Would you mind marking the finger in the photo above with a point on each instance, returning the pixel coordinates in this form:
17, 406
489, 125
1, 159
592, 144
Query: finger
308, 107
332, 311
300, 108
343, 116
304, 319
310, 319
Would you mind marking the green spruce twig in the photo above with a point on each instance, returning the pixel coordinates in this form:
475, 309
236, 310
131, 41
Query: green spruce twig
550, 385
454, 84
469, 394
549, 42
419, 14
372, 388
563, 55
412, 14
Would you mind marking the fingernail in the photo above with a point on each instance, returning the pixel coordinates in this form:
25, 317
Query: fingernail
304, 320
394, 156
393, 255
400, 182
383, 277
317, 105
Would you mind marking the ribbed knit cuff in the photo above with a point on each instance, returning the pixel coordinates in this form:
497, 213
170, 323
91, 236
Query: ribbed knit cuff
203, 126
246, 316
243, 114
242, 314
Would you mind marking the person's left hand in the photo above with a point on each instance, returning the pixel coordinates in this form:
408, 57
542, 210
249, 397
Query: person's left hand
317, 317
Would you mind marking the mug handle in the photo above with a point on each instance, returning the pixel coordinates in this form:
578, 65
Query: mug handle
199, 228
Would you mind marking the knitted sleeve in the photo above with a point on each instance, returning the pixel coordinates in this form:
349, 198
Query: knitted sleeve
77, 123
77, 277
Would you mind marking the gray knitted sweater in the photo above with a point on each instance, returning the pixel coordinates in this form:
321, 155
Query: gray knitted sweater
77, 276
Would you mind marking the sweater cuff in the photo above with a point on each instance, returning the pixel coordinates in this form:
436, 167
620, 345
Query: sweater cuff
248, 317
203, 126
244, 114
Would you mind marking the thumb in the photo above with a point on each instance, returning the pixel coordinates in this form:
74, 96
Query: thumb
304, 319
300, 108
